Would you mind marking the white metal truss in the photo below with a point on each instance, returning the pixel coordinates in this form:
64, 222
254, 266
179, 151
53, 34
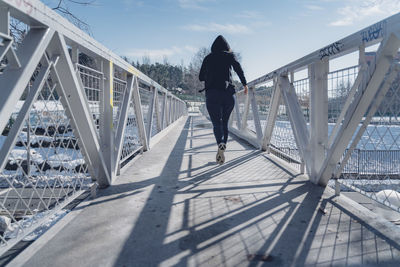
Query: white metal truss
70, 115
318, 122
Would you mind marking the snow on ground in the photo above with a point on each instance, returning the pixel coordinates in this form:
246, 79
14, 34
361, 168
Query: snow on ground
367, 185
48, 179
20, 153
15, 228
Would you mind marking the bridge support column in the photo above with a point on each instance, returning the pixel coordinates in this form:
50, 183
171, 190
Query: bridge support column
106, 121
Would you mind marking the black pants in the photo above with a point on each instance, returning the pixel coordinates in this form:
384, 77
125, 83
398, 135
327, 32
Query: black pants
220, 105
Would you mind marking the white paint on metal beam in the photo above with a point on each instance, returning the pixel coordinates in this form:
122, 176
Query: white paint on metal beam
318, 77
341, 47
106, 120
386, 52
256, 117
245, 114
139, 114
296, 117
371, 111
14, 81
120, 133
34, 91
272, 114
360, 77
5, 20
81, 118
150, 116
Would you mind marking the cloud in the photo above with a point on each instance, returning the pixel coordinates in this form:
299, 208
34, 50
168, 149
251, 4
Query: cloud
249, 15
219, 28
314, 7
357, 10
157, 54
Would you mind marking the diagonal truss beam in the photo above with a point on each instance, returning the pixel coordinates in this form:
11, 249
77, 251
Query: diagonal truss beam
256, 118
14, 81
150, 114
119, 137
360, 76
6, 49
272, 114
372, 110
297, 121
5, 45
34, 91
81, 118
139, 115
386, 52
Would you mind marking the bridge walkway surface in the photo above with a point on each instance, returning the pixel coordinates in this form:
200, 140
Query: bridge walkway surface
174, 206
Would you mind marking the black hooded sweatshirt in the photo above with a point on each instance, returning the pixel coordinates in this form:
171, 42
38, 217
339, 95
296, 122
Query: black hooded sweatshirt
216, 67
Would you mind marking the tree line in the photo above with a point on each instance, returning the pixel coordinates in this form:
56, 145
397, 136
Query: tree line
179, 79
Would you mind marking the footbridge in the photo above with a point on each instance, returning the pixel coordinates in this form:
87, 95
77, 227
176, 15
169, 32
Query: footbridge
125, 173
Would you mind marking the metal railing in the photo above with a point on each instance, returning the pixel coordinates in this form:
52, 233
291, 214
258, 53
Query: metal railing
341, 124
72, 114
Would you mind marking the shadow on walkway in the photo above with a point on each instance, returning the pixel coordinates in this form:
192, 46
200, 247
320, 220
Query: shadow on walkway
192, 220
175, 207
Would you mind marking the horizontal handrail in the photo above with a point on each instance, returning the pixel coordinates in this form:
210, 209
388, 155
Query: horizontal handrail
366, 37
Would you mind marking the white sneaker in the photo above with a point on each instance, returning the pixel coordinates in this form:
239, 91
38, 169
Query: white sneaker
220, 154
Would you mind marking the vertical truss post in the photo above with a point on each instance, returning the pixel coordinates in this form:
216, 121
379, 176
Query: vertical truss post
318, 76
107, 125
74, 99
5, 31
237, 112
164, 111
150, 115
272, 114
173, 109
361, 56
139, 114
157, 110
119, 137
5, 20
256, 118
367, 92
246, 109
75, 55
170, 111
14, 81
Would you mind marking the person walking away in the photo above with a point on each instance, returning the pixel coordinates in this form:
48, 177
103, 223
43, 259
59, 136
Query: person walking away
216, 73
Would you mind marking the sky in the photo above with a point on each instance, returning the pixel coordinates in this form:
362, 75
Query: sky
267, 34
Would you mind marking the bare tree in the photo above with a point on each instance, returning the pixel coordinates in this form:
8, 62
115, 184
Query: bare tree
18, 29
63, 8
192, 72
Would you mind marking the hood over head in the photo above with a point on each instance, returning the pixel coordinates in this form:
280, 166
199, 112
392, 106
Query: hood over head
220, 45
